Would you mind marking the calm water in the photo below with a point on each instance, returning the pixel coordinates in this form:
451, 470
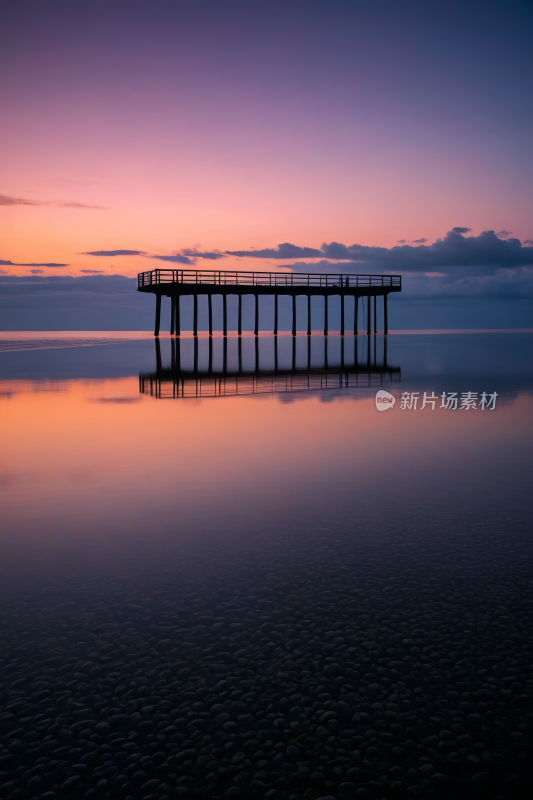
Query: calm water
177, 517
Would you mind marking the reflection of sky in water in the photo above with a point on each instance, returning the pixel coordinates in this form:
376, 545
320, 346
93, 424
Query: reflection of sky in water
90, 466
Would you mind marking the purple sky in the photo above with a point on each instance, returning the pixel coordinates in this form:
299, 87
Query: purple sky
188, 130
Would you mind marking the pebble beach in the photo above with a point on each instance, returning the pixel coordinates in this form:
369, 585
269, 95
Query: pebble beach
286, 670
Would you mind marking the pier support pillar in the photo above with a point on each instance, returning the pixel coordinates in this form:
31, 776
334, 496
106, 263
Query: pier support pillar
368, 324
224, 315
210, 313
159, 363
375, 313
293, 360
178, 318
294, 315
157, 314
256, 328
385, 314
172, 314
325, 315
195, 316
309, 315
239, 320
342, 315
355, 315
275, 315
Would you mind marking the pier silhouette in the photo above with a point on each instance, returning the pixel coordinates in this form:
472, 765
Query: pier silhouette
228, 366
174, 283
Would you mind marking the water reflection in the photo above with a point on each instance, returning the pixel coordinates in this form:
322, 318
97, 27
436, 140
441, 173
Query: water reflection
282, 597
222, 367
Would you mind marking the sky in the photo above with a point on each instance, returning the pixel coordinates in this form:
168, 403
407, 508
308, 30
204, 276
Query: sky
377, 137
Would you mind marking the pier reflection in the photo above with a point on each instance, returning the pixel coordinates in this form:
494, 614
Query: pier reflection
225, 366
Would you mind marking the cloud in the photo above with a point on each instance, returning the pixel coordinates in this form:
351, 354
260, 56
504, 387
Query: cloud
486, 251
113, 253
185, 256
285, 250
36, 271
7, 200
178, 259
503, 234
402, 241
11, 264
193, 253
93, 271
419, 241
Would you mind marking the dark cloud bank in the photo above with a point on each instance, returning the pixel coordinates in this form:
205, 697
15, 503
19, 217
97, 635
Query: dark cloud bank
488, 250
455, 267
60, 302
111, 302
485, 253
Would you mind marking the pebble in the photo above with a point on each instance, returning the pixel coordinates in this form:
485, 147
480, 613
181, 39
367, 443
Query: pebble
299, 669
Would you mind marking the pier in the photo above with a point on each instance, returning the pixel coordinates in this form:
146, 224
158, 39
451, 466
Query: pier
175, 283
228, 366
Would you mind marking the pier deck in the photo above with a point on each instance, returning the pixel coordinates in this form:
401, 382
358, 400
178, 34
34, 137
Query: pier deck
174, 283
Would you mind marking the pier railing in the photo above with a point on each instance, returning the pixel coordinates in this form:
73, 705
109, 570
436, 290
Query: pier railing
156, 277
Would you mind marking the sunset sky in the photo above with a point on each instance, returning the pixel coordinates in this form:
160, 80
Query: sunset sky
206, 134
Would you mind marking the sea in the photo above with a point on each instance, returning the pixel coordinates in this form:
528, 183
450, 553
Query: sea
282, 567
